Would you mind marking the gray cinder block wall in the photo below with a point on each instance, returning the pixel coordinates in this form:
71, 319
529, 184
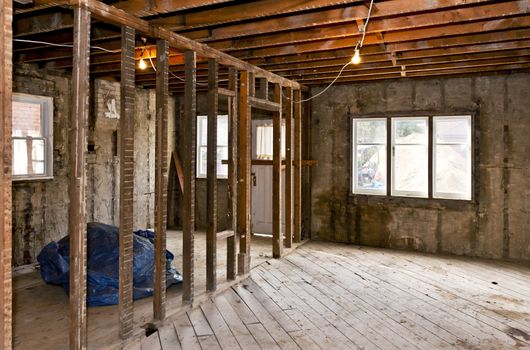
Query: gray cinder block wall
496, 225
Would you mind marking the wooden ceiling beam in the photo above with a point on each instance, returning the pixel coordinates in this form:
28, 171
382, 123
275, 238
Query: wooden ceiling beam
376, 26
429, 73
243, 11
116, 16
328, 39
347, 14
142, 8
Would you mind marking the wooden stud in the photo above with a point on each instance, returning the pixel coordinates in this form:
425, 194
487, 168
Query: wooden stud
126, 206
77, 209
389, 159
211, 177
244, 169
231, 246
263, 89
277, 236
189, 153
161, 176
288, 241
6, 82
297, 234
252, 84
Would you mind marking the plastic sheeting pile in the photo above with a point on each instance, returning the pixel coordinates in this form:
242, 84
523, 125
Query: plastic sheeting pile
103, 264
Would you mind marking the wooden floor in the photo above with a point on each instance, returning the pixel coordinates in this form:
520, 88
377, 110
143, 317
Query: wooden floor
331, 296
40, 310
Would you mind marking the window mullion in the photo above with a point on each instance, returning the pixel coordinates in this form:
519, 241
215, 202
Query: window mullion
430, 157
389, 158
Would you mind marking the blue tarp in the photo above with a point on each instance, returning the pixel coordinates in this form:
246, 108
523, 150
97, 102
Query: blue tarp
103, 264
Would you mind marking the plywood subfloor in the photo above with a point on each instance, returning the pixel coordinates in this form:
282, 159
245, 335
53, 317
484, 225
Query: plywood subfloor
41, 310
331, 296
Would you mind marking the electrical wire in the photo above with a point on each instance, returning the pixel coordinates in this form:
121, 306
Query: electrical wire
63, 45
357, 47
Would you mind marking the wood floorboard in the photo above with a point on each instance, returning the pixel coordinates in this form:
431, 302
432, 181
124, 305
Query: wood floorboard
336, 296
333, 296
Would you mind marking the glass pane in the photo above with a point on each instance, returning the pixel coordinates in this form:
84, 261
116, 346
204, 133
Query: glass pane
453, 170
452, 130
371, 131
26, 119
203, 130
37, 155
410, 168
222, 130
222, 154
20, 157
264, 142
202, 160
410, 131
371, 167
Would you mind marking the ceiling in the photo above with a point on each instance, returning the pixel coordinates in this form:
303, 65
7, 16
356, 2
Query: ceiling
307, 41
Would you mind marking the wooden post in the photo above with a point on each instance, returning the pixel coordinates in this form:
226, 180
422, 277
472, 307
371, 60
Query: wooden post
232, 175
211, 174
263, 88
297, 167
6, 68
189, 151
126, 153
289, 169
244, 159
77, 208
161, 175
277, 239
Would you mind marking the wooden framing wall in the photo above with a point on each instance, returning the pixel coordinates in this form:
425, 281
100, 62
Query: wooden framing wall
288, 241
161, 175
126, 207
231, 244
244, 170
277, 234
211, 171
6, 298
189, 137
78, 146
241, 97
297, 236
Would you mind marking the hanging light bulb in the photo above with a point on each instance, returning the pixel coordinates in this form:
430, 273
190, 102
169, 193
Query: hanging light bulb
141, 63
356, 59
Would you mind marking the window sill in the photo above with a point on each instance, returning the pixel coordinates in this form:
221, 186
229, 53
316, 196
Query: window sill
32, 179
413, 202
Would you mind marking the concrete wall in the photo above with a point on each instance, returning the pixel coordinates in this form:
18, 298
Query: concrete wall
40, 208
497, 225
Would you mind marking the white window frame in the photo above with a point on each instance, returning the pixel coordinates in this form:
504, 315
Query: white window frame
199, 145
355, 188
393, 191
453, 195
46, 105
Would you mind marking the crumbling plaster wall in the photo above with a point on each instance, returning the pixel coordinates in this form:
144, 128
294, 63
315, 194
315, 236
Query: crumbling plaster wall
40, 208
495, 225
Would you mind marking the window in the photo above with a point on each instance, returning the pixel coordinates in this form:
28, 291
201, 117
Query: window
264, 141
410, 154
369, 156
222, 145
32, 137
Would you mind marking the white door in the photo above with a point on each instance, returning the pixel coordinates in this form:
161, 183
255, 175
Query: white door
262, 177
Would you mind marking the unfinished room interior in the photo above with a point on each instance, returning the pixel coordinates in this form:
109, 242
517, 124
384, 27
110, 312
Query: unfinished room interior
273, 174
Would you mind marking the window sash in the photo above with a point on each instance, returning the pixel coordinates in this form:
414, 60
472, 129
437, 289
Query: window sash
467, 195
46, 126
355, 170
202, 121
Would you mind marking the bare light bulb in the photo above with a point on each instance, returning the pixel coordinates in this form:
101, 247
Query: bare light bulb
356, 59
141, 64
